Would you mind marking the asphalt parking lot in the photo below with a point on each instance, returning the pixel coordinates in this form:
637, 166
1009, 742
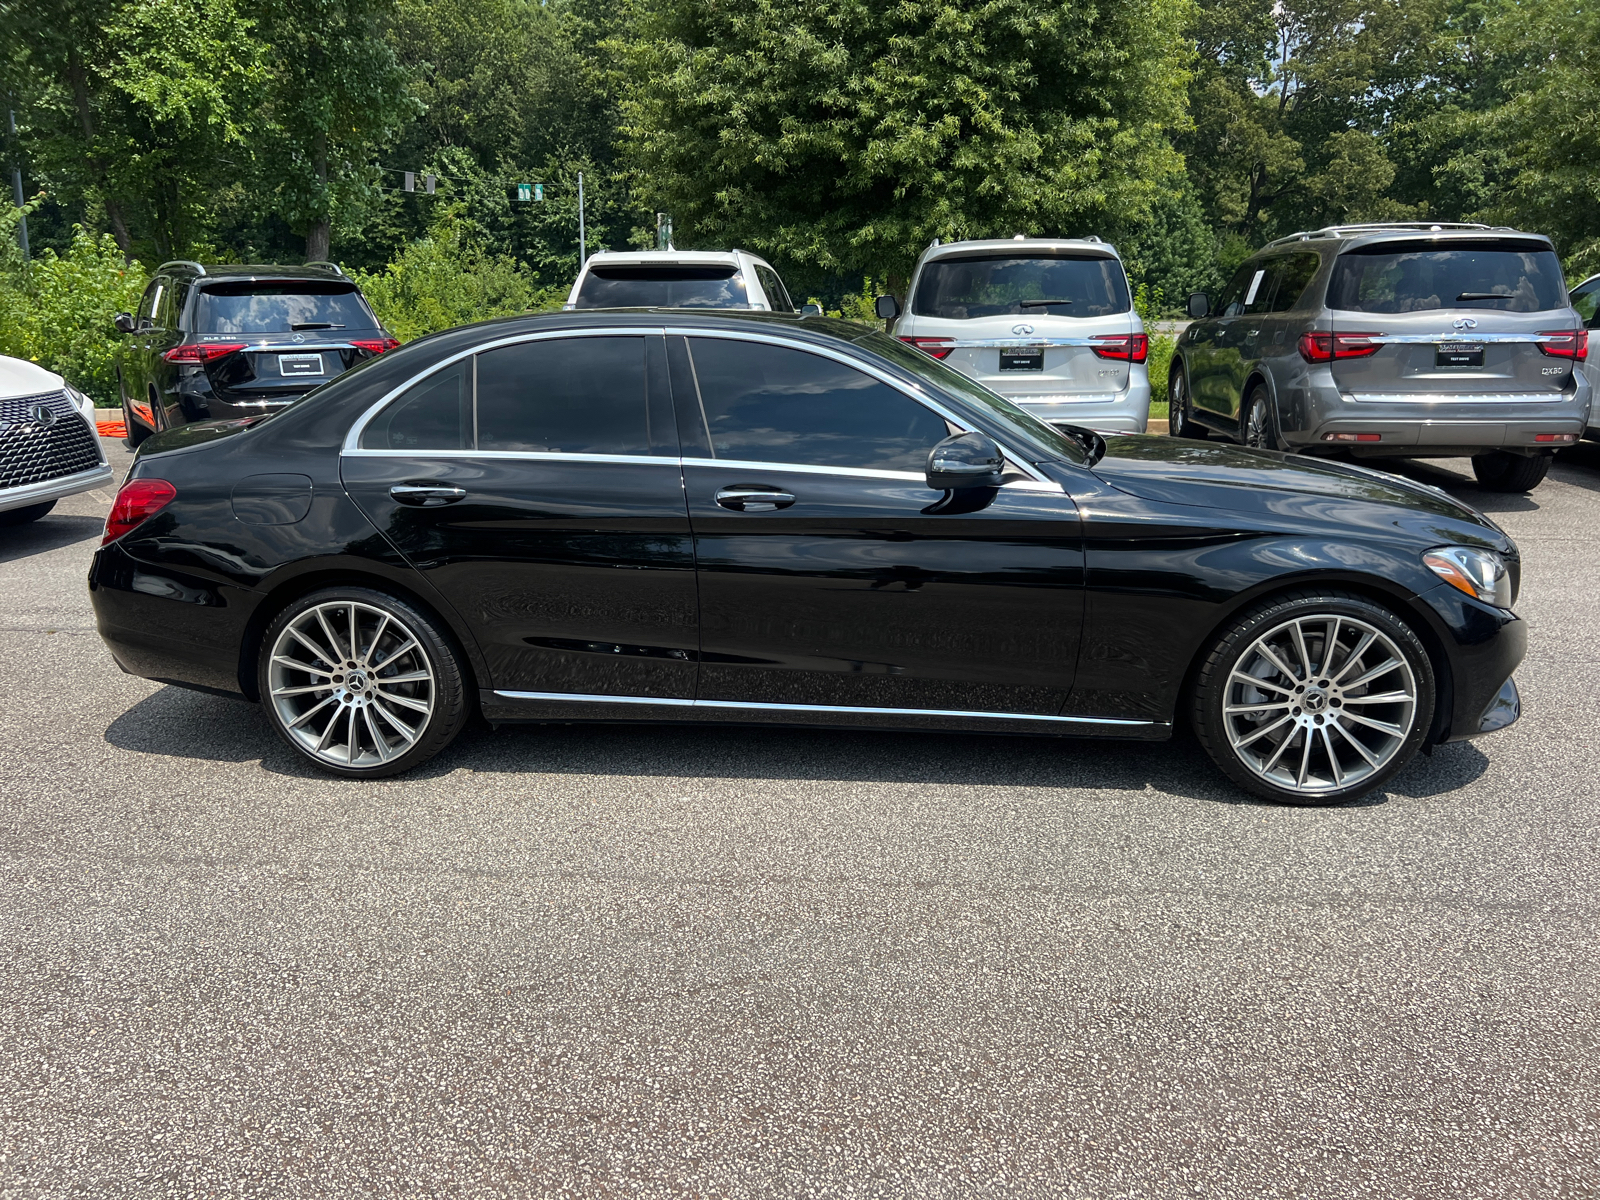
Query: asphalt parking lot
580, 961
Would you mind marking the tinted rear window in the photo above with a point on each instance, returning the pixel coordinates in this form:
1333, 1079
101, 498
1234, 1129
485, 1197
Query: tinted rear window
663, 287
285, 307
1415, 277
1015, 285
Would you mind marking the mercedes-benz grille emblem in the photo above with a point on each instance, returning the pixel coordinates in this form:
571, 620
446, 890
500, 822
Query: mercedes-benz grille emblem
1022, 330
1466, 323
43, 415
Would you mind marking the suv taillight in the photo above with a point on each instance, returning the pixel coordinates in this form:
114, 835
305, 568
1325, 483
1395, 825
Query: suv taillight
201, 352
1566, 343
136, 503
1125, 347
1325, 347
374, 345
938, 347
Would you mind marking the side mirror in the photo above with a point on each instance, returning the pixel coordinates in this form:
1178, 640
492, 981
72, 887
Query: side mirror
965, 460
124, 323
887, 308
1199, 305
811, 310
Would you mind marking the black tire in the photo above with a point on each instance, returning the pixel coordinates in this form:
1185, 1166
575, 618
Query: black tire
1180, 421
447, 698
21, 516
1258, 420
136, 430
1241, 739
1498, 471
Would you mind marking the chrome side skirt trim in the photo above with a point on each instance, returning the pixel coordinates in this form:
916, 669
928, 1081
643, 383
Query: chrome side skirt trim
675, 702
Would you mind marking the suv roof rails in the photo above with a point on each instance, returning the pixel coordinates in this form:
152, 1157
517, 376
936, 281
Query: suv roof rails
1335, 231
326, 265
182, 262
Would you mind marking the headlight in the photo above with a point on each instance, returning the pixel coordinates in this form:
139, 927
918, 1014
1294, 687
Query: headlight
1481, 574
81, 402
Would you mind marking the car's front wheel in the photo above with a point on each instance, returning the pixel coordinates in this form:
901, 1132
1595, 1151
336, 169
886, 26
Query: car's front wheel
1180, 421
1314, 698
1498, 471
361, 683
21, 516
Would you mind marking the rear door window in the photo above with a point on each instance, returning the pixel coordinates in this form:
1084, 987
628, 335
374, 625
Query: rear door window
663, 285
288, 306
1034, 284
1294, 273
582, 395
771, 404
1402, 277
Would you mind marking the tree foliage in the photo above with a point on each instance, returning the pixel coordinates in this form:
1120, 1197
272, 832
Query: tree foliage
844, 135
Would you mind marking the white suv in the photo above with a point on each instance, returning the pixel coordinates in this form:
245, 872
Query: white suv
1047, 323
678, 279
48, 445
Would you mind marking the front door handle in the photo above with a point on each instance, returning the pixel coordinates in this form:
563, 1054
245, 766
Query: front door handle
748, 497
430, 495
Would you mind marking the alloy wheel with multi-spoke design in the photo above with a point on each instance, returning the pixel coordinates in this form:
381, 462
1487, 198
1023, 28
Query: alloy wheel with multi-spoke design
1320, 703
1258, 424
351, 684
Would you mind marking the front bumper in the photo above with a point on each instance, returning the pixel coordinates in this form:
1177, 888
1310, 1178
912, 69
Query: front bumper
55, 489
1484, 646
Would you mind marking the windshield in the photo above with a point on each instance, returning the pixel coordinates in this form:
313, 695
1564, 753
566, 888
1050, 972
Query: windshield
1415, 277
287, 307
1050, 441
1056, 285
663, 286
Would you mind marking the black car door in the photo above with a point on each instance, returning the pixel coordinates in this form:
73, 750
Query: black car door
831, 575
141, 354
537, 485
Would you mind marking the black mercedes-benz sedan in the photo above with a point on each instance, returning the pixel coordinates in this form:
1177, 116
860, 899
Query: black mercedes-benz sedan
652, 515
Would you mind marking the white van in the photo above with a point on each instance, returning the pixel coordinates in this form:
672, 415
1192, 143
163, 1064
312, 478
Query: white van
1048, 323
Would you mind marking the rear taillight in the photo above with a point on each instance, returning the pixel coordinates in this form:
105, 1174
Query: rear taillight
374, 345
1325, 347
1566, 343
1125, 347
201, 352
136, 503
938, 347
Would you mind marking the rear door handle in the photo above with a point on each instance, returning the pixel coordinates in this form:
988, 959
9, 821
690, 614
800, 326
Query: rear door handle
746, 497
426, 495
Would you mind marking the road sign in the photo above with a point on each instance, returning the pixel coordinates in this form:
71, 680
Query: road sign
538, 191
524, 191
410, 180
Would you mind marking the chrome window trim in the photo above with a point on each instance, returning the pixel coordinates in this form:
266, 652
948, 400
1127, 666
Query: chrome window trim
679, 702
352, 440
516, 455
911, 392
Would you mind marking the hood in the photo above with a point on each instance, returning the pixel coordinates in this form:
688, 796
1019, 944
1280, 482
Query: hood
19, 377
1209, 475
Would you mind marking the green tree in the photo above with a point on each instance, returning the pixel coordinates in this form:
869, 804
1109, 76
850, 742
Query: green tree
845, 136
336, 95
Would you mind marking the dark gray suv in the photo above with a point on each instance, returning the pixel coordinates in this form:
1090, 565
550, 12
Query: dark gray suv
1399, 340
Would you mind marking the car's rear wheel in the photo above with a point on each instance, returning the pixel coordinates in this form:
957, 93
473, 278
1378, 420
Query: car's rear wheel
361, 683
1314, 698
1499, 471
21, 516
1180, 420
1259, 428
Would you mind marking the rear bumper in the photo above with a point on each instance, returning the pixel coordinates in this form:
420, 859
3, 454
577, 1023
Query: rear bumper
55, 489
1444, 425
1115, 412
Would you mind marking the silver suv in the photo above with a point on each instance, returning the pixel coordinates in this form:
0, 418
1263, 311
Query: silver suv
1048, 323
1400, 339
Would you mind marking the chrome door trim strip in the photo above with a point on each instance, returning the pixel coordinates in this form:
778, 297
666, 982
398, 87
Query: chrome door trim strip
910, 391
517, 455
352, 440
582, 698
748, 464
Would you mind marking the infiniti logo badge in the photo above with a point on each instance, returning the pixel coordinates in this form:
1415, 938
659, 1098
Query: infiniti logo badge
1466, 323
43, 415
1022, 330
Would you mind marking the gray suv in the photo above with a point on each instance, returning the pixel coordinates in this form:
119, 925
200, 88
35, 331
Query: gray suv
1392, 340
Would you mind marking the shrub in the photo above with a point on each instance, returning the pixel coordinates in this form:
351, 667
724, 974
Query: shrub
449, 278
57, 310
